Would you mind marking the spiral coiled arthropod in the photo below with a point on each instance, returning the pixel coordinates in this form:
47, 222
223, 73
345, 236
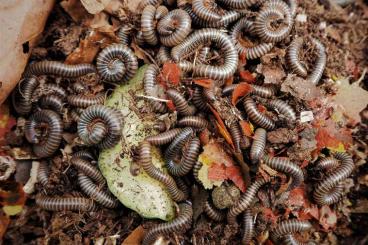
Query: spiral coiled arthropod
284, 165
174, 27
117, 63
146, 163
329, 190
84, 101
148, 26
124, 33
221, 41
22, 95
100, 196
199, 101
65, 203
251, 51
44, 130
88, 169
248, 226
239, 4
213, 213
286, 228
256, 116
163, 55
271, 11
204, 12
58, 69
43, 173
181, 104
52, 102
165, 137
258, 145
100, 125
245, 200
327, 163
180, 224
282, 107
151, 87
193, 121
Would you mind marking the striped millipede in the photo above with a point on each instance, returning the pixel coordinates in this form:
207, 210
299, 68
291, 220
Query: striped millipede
251, 52
78, 87
58, 69
245, 200
91, 121
22, 95
150, 87
284, 165
49, 120
264, 91
163, 55
248, 226
199, 101
161, 11
228, 90
213, 213
50, 88
165, 137
320, 65
146, 163
139, 38
148, 26
193, 121
52, 102
182, 186
288, 227
258, 145
239, 4
88, 169
117, 63
204, 12
221, 41
160, 126
189, 158
282, 107
84, 101
181, 104
174, 27
85, 155
272, 10
329, 190
197, 166
102, 197
144, 3
180, 224
293, 5
43, 173
124, 33
203, 54
65, 203
236, 135
256, 116
327, 163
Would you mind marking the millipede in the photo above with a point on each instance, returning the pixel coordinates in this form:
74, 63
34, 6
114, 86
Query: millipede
148, 26
84, 166
258, 145
212, 212
248, 226
124, 34
236, 135
163, 55
199, 101
204, 12
150, 87
52, 102
193, 121
256, 116
288, 227
22, 95
65, 203
181, 104
165, 137
84, 101
239, 4
43, 173
282, 107
58, 69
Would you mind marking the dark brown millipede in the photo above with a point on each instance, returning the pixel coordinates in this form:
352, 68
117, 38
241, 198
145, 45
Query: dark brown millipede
36, 125
163, 55
146, 163
213, 213
204, 12
330, 189
282, 107
96, 118
180, 224
258, 145
65, 203
245, 200
197, 166
59, 69
148, 26
88, 169
284, 165
165, 137
256, 116
236, 135
124, 33
50, 88
193, 121
248, 226
84, 101
182, 186
79, 87
22, 95
43, 173
239, 4
52, 102
151, 87
264, 91
199, 101
289, 227
102, 197
181, 104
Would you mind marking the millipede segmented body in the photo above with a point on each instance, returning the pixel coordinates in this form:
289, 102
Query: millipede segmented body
228, 90
36, 125
248, 226
320, 65
100, 125
327, 163
181, 104
193, 121
256, 116
161, 11
124, 33
148, 26
204, 12
88, 169
213, 213
197, 166
182, 186
85, 155
330, 189
151, 87
146, 163
283, 108
174, 27
58, 69
221, 41
163, 55
179, 141
245, 200
144, 3
239, 4
43, 173
258, 145
52, 102
65, 203
180, 224
79, 87
199, 101
84, 101
236, 135
55, 89
203, 54
293, 5
264, 91
284, 165
271, 11
22, 95
251, 51
102, 197
288, 227
165, 137
117, 63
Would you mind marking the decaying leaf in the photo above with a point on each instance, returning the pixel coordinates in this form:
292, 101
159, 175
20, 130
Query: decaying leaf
203, 177
4, 222
300, 88
6, 122
75, 10
12, 197
135, 237
95, 6
327, 218
205, 83
247, 76
171, 72
247, 128
241, 90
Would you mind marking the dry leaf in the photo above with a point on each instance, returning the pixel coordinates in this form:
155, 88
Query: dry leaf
205, 83
4, 222
327, 218
95, 6
135, 237
247, 76
247, 128
300, 88
75, 10
171, 72
6, 122
240, 90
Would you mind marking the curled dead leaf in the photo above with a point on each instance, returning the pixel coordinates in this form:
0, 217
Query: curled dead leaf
95, 6
241, 90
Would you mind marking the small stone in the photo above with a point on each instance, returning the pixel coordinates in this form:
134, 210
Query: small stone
225, 196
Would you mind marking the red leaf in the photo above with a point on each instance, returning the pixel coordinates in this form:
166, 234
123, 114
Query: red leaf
269, 214
205, 83
297, 197
217, 172
243, 58
229, 81
170, 105
240, 90
246, 76
171, 72
324, 140
246, 128
222, 128
261, 108
234, 174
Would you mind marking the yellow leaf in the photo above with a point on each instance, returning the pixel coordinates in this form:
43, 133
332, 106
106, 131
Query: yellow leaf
203, 176
12, 210
339, 148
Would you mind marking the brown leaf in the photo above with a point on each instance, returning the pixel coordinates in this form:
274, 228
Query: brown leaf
4, 222
75, 10
327, 218
241, 90
171, 72
246, 76
205, 83
247, 128
95, 6
135, 237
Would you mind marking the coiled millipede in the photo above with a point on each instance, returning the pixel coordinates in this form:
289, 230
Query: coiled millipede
151, 87
43, 173
181, 104
330, 189
180, 224
213, 213
117, 63
100, 125
44, 130
280, 106
84, 101
256, 116
65, 203
204, 12
163, 55
174, 27
165, 137
248, 226
239, 4
148, 25
285, 229
58, 69
258, 145
84, 166
52, 102
22, 95
193, 121
221, 41
124, 33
